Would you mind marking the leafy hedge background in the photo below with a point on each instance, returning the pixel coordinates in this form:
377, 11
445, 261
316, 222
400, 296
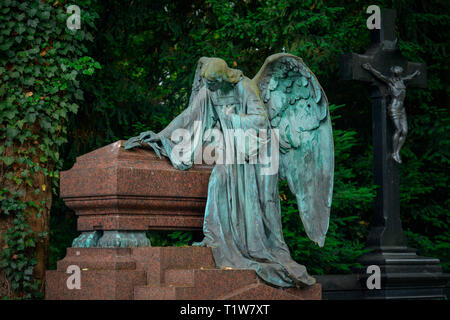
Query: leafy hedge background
134, 63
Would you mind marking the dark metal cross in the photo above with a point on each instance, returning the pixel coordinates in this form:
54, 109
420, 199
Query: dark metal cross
383, 53
403, 273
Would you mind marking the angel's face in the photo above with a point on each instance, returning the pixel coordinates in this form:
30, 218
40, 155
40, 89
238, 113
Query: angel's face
213, 85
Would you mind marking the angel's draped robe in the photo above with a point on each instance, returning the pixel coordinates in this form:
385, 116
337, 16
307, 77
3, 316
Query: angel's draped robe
242, 223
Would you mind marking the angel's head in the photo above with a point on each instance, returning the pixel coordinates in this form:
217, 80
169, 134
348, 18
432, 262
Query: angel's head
218, 75
396, 71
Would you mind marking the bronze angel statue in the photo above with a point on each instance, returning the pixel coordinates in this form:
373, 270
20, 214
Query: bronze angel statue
242, 223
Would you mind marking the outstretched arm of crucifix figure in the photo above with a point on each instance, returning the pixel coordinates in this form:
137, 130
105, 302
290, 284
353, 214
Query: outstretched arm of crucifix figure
376, 73
411, 76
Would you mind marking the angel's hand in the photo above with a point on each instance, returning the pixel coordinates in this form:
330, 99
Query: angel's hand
149, 136
155, 138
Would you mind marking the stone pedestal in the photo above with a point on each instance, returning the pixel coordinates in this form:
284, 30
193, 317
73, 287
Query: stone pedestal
161, 273
404, 275
119, 194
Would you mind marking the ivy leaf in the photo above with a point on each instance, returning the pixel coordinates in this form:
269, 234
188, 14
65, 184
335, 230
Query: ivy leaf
34, 50
89, 71
10, 114
45, 124
21, 28
37, 71
20, 123
29, 81
32, 12
44, 15
22, 138
30, 117
7, 160
15, 74
79, 94
33, 23
28, 271
20, 17
11, 133
73, 107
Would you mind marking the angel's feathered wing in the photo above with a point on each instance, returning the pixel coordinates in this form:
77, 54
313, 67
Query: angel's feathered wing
298, 108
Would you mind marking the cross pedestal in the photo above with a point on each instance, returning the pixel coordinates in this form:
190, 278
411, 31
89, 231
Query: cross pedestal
403, 273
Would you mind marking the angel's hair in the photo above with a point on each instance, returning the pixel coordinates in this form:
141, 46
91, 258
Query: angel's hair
217, 69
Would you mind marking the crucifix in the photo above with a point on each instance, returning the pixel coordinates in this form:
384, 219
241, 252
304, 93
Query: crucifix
388, 72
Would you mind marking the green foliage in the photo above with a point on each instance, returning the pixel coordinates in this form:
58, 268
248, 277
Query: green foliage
41, 65
20, 241
39, 73
62, 232
148, 51
170, 238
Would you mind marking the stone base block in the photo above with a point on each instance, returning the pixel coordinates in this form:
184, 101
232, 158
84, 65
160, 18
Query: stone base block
404, 275
96, 285
160, 273
104, 274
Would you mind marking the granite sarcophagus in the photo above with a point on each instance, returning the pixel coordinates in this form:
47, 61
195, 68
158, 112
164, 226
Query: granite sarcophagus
133, 190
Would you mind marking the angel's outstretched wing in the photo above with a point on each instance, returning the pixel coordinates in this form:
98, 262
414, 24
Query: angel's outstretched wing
298, 107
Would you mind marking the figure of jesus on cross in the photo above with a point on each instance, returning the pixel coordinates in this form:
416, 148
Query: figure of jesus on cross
384, 67
396, 109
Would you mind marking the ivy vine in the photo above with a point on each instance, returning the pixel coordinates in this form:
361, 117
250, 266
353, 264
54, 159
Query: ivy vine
41, 65
17, 259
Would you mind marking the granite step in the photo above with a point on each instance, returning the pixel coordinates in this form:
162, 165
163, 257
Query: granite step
218, 284
156, 260
207, 276
173, 257
196, 284
187, 273
260, 291
156, 292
